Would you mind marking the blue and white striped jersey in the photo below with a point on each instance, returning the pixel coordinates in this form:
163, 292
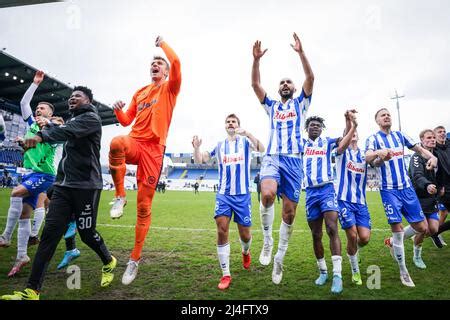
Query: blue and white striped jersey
317, 161
351, 170
286, 124
233, 158
394, 174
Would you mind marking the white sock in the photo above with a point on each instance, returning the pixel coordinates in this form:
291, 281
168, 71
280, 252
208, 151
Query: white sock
14, 212
245, 246
39, 215
409, 232
267, 216
337, 265
322, 265
417, 251
354, 263
285, 234
223, 251
399, 250
23, 233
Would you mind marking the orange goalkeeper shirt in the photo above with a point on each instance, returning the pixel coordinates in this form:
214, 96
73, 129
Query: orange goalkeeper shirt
153, 105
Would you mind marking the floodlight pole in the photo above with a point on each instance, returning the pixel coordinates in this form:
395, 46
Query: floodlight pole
398, 109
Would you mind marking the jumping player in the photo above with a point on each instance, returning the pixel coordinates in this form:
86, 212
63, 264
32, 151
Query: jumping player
233, 196
152, 106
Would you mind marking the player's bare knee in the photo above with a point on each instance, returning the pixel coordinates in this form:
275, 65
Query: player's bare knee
332, 230
432, 230
18, 191
363, 240
222, 231
317, 235
352, 235
267, 198
421, 228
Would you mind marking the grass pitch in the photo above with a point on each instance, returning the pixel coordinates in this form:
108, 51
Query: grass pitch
179, 260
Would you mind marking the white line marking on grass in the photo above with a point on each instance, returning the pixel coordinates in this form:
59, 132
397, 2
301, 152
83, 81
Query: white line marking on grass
200, 229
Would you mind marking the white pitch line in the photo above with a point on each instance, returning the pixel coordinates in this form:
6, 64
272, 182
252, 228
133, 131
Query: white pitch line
199, 229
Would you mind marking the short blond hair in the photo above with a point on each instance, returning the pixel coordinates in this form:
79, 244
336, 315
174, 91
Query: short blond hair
422, 133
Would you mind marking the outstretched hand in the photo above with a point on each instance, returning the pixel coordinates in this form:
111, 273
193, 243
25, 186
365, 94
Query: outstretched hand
257, 51
351, 116
240, 132
39, 77
42, 121
298, 45
196, 142
432, 163
118, 105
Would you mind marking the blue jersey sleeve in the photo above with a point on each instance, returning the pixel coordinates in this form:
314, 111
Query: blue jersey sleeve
370, 144
268, 104
408, 141
305, 99
332, 143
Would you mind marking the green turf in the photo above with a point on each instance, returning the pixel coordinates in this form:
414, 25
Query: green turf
180, 261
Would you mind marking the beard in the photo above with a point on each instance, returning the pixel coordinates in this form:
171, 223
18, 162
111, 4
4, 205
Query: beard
287, 95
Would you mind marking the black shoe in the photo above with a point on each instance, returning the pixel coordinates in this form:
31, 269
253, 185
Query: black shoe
32, 241
437, 242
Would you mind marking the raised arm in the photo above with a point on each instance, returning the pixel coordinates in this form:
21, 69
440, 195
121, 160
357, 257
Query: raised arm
199, 157
127, 117
351, 124
376, 157
77, 128
175, 66
417, 172
309, 75
25, 107
258, 146
432, 160
256, 78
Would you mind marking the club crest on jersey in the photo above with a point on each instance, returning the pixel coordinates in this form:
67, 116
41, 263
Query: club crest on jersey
283, 116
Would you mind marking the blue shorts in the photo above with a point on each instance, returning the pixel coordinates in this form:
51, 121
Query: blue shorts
402, 202
434, 216
287, 172
319, 200
36, 183
241, 205
441, 207
351, 214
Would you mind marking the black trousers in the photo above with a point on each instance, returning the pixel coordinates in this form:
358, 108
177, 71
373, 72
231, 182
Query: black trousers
66, 202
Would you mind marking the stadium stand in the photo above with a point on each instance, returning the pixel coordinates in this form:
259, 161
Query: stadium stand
15, 78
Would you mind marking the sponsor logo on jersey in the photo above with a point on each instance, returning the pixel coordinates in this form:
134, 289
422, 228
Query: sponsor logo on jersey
357, 168
397, 153
285, 115
315, 152
143, 105
232, 158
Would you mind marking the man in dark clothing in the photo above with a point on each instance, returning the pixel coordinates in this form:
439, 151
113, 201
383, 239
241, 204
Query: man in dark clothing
425, 185
196, 185
76, 190
442, 152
